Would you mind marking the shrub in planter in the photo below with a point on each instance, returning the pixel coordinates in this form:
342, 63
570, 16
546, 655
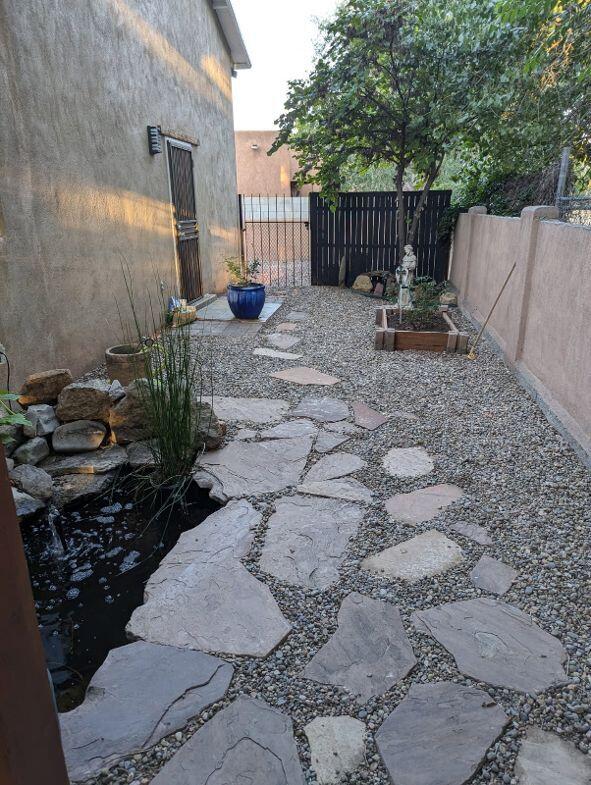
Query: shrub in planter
246, 297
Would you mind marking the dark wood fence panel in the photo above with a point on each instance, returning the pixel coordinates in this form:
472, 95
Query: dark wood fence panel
362, 231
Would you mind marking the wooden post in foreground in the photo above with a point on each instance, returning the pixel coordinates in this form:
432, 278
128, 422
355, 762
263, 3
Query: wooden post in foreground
30, 745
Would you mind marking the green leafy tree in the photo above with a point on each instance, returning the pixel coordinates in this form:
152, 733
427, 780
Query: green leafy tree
399, 84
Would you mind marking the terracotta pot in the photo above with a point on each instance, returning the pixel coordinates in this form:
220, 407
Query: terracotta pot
125, 363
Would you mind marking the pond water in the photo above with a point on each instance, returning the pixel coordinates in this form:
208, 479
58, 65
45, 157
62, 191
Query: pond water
88, 568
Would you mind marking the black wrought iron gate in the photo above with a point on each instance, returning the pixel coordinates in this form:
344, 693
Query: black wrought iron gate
361, 234
180, 161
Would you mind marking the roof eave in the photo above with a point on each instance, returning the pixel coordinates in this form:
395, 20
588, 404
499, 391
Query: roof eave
231, 30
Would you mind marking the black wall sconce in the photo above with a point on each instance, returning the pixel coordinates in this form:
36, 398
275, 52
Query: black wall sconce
154, 140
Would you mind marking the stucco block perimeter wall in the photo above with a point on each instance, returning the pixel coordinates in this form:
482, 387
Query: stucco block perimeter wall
79, 193
543, 320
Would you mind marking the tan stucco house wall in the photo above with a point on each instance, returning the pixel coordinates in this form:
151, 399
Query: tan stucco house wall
259, 173
80, 195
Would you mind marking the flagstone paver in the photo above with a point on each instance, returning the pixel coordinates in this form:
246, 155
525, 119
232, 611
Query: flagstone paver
291, 429
296, 316
342, 427
248, 743
252, 468
275, 354
496, 643
421, 506
424, 555
246, 433
346, 488
368, 418
337, 747
439, 734
473, 532
282, 341
408, 462
307, 539
305, 376
331, 467
140, 694
286, 327
368, 653
256, 410
325, 442
493, 575
546, 759
326, 410
202, 597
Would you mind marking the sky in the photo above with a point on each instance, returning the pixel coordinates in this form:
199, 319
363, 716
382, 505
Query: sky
279, 37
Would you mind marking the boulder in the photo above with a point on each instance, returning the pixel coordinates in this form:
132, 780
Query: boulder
210, 431
32, 480
11, 436
44, 387
43, 420
32, 451
128, 418
362, 284
140, 455
73, 488
89, 400
100, 461
78, 436
26, 505
9, 464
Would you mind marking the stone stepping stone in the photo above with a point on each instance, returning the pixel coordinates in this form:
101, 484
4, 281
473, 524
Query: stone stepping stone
325, 442
304, 376
493, 575
286, 327
368, 418
252, 468
248, 742
291, 429
296, 316
546, 759
331, 467
473, 532
107, 459
347, 488
276, 354
256, 410
325, 410
439, 734
368, 654
246, 433
342, 427
337, 747
140, 694
307, 539
421, 506
407, 462
424, 555
282, 341
202, 597
496, 643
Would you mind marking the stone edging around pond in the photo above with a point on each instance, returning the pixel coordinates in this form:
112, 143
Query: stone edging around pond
81, 434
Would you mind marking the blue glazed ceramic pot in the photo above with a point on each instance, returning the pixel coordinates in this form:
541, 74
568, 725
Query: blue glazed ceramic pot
246, 302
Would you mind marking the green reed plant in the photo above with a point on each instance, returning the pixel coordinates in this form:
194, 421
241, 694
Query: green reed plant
173, 393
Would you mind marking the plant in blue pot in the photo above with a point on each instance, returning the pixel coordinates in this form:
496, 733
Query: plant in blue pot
246, 297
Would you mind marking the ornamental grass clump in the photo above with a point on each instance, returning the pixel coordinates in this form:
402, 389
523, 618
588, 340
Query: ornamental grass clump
173, 393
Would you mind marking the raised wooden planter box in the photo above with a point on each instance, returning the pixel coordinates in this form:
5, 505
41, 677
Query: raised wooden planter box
391, 339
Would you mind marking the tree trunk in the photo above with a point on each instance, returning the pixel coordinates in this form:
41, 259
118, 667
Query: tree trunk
421, 203
400, 211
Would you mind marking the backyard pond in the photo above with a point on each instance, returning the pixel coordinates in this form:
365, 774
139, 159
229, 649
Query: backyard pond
88, 568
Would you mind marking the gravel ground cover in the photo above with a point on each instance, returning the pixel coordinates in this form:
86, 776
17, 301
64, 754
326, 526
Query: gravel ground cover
521, 482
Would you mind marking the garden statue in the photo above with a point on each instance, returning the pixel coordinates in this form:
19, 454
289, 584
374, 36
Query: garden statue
404, 278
